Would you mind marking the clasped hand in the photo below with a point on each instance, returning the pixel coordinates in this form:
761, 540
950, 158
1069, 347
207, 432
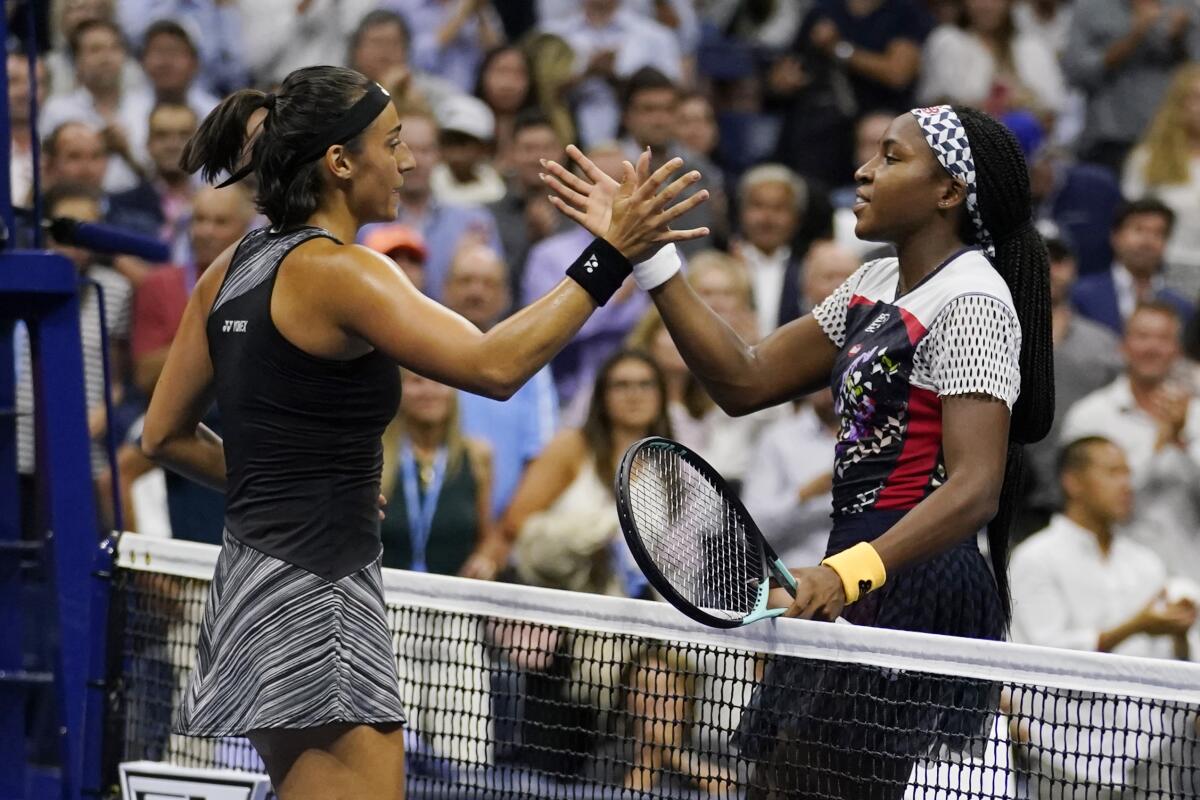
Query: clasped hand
634, 215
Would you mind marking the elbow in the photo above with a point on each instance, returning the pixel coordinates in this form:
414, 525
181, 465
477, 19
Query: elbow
983, 506
155, 439
498, 382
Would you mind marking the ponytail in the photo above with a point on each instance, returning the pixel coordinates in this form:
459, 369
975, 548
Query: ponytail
1002, 179
219, 146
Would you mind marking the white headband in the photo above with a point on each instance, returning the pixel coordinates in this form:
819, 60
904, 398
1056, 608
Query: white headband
948, 138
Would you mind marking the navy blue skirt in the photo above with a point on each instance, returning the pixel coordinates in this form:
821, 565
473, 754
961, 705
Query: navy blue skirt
821, 728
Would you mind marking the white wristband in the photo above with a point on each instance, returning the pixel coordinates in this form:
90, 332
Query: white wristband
658, 268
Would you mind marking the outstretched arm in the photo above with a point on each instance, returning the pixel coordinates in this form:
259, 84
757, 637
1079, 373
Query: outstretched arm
741, 378
368, 297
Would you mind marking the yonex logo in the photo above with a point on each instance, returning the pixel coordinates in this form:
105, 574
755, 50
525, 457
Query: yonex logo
234, 326
591, 263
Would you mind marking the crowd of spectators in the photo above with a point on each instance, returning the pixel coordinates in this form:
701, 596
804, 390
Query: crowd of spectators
775, 102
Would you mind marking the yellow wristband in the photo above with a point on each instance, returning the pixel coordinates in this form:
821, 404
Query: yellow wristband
860, 568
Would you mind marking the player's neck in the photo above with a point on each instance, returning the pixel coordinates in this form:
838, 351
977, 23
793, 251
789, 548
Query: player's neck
921, 254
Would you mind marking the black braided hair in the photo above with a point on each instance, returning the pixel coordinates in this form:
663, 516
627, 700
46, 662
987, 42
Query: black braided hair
1002, 182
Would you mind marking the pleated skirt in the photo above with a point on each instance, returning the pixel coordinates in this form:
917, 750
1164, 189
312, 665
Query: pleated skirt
280, 647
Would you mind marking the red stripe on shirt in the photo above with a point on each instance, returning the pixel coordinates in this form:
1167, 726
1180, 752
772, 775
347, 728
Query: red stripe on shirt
913, 325
905, 487
859, 300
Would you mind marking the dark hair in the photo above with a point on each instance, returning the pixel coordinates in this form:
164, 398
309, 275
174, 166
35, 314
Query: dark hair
76, 37
597, 427
532, 117
1076, 455
530, 99
1146, 205
375, 19
309, 98
61, 192
168, 27
1002, 183
644, 80
50, 143
1058, 249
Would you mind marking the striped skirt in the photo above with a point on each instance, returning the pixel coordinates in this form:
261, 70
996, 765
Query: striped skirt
283, 648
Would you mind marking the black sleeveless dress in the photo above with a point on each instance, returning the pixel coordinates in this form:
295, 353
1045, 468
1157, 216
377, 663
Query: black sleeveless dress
295, 632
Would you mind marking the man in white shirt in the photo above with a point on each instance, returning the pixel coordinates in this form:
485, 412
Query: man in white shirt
1154, 420
103, 101
1082, 585
610, 44
772, 200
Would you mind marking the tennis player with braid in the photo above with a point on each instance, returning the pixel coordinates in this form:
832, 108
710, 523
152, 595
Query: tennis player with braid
940, 363
297, 333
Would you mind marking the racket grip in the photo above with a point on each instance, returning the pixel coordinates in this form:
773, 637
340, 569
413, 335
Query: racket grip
784, 576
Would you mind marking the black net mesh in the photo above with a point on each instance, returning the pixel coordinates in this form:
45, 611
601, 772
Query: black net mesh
500, 708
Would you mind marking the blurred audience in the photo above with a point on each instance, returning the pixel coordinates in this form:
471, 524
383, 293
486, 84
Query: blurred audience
772, 201
20, 165
99, 54
610, 43
517, 428
450, 37
984, 60
1122, 54
524, 215
465, 175
437, 482
1166, 165
563, 519
505, 84
1087, 356
214, 30
1139, 243
1152, 414
1082, 583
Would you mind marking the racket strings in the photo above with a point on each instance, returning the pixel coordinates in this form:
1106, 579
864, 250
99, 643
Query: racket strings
695, 536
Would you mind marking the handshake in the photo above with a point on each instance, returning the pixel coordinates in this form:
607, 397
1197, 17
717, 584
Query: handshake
633, 215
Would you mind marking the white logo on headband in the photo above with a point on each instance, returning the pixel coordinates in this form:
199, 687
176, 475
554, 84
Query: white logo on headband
946, 135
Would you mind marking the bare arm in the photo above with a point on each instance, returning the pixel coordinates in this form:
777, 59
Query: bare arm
369, 297
173, 435
795, 359
741, 378
975, 443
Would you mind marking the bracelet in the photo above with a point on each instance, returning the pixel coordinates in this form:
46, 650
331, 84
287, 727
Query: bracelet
658, 268
600, 270
860, 568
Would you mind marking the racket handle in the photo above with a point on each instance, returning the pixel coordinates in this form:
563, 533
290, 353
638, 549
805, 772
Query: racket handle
784, 576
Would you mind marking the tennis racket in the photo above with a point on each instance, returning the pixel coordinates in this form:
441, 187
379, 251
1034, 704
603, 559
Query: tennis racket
693, 538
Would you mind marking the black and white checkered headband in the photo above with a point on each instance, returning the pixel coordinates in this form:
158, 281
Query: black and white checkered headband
946, 135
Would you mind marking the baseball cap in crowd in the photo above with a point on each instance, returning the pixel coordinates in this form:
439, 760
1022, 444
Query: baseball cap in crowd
467, 115
395, 237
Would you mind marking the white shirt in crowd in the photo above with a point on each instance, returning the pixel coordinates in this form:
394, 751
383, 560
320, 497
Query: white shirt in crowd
790, 453
957, 66
1066, 591
131, 117
1167, 481
766, 282
636, 41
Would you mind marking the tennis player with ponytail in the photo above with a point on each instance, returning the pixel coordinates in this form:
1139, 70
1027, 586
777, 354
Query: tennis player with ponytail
940, 363
297, 333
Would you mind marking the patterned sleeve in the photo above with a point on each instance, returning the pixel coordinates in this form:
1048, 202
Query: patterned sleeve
830, 313
973, 348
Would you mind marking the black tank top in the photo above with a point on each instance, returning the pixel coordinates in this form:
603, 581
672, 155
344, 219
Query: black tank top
302, 433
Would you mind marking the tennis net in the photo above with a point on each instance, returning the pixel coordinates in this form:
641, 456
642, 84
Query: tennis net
515, 692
